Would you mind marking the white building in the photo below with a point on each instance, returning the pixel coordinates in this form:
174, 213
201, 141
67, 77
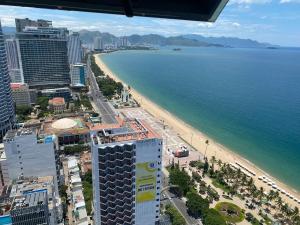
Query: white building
28, 155
125, 95
78, 74
126, 174
98, 43
4, 177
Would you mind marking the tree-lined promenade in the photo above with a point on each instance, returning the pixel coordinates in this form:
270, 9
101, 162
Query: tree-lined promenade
231, 185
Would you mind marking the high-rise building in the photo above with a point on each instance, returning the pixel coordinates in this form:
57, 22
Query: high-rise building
7, 111
123, 41
44, 56
21, 24
126, 163
13, 61
78, 74
75, 52
29, 154
12, 54
98, 43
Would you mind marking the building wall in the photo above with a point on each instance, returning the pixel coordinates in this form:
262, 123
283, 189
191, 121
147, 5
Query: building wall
105, 180
28, 158
12, 54
75, 52
78, 74
44, 59
7, 111
21, 96
149, 151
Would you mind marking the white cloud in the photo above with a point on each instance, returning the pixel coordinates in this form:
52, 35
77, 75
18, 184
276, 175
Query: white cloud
289, 1
248, 2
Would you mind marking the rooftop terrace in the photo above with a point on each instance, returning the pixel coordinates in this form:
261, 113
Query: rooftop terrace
126, 130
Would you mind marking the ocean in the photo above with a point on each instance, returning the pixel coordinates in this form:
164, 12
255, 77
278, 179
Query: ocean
246, 99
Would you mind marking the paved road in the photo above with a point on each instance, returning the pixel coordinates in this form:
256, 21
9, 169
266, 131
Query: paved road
102, 105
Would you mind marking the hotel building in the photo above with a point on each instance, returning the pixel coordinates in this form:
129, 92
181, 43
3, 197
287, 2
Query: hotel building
75, 52
126, 161
44, 56
7, 111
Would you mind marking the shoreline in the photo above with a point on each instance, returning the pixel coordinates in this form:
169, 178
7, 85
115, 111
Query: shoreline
197, 139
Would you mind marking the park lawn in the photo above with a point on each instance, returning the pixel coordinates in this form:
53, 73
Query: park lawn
219, 185
231, 207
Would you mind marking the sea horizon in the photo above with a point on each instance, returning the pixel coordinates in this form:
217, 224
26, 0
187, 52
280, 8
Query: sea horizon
232, 131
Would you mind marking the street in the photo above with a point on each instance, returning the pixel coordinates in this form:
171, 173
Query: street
103, 107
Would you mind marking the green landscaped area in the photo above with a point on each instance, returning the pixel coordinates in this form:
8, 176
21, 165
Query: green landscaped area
217, 184
230, 212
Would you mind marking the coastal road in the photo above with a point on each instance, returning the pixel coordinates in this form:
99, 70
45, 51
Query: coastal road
102, 105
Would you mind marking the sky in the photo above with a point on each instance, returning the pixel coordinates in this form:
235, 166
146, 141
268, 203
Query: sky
272, 21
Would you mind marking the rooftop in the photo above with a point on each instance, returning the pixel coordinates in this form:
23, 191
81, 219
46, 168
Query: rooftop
15, 86
57, 101
127, 130
31, 198
64, 123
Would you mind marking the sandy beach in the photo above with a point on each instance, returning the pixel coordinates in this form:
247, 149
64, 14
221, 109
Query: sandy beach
197, 139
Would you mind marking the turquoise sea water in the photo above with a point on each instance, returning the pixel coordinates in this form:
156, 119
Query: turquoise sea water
246, 99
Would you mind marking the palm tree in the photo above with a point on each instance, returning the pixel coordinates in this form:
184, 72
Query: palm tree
279, 203
219, 163
207, 143
213, 160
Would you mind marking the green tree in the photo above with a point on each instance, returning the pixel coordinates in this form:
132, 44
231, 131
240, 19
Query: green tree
197, 206
180, 178
213, 217
175, 216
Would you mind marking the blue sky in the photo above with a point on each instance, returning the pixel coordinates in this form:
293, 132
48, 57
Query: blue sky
273, 21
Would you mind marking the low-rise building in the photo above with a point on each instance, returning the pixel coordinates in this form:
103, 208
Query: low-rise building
78, 74
32, 201
57, 92
86, 162
77, 198
20, 94
57, 104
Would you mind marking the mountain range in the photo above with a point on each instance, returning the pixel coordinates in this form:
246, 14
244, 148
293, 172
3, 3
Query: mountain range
87, 37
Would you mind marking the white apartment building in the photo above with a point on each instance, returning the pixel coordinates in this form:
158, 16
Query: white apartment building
126, 162
29, 155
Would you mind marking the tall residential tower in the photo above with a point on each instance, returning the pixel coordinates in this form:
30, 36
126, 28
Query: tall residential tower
126, 174
7, 112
